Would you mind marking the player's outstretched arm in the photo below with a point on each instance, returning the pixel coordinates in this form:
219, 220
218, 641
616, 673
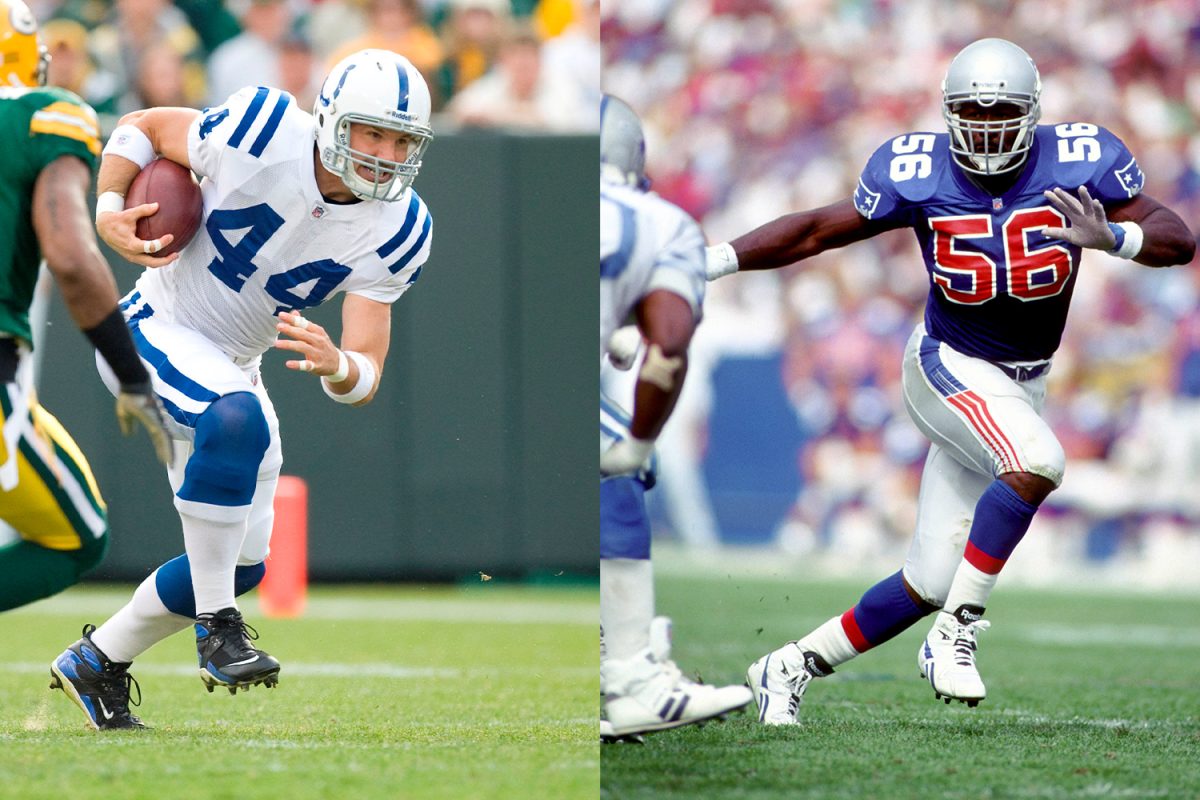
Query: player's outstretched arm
1141, 229
138, 139
792, 238
349, 374
64, 231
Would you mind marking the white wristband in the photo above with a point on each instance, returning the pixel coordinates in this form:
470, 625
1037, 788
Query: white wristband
342, 371
129, 142
1133, 240
362, 387
109, 201
720, 260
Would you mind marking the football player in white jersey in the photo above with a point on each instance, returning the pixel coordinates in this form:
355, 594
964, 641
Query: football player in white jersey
298, 207
651, 268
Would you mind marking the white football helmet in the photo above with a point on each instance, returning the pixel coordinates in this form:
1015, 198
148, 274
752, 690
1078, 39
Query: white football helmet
622, 144
380, 88
987, 73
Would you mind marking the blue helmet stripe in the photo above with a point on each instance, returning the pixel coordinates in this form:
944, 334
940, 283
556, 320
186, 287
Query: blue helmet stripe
402, 76
342, 82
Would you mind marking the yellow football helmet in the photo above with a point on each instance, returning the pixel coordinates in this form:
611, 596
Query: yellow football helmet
24, 56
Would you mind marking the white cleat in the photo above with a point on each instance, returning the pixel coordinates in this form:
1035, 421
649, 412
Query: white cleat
648, 693
947, 659
778, 681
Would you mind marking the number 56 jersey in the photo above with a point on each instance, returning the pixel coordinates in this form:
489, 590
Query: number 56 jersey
999, 288
269, 241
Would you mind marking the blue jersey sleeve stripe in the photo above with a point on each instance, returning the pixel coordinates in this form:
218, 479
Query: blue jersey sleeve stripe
416, 274
615, 263
389, 247
416, 248
264, 136
243, 127
167, 371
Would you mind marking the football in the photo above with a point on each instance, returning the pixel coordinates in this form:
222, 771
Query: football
180, 206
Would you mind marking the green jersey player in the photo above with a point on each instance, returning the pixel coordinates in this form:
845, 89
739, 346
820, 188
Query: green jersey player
47, 492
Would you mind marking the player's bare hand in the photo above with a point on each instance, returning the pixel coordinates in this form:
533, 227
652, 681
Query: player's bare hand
1089, 224
319, 355
138, 405
118, 229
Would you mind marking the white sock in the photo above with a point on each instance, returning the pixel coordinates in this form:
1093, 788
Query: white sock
626, 605
212, 550
830, 642
971, 587
138, 625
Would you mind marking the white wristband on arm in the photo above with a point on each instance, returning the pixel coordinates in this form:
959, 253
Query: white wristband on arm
362, 387
719, 260
129, 142
342, 371
1129, 239
109, 201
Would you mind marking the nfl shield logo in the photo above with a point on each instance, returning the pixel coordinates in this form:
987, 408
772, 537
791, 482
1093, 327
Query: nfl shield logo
318, 212
997, 204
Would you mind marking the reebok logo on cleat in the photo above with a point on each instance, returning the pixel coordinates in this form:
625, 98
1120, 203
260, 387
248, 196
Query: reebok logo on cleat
968, 614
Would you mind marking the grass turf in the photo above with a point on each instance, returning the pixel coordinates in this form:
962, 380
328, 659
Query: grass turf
1090, 696
434, 692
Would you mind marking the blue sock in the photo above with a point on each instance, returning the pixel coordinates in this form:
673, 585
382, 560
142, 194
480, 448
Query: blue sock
885, 610
174, 584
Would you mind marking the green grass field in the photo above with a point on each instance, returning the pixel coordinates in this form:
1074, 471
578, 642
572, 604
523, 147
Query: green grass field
436, 692
1089, 696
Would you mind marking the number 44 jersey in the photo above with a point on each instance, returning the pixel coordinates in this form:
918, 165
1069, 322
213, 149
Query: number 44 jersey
270, 242
999, 288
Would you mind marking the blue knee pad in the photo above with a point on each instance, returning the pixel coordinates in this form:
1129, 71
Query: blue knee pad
624, 526
231, 438
174, 584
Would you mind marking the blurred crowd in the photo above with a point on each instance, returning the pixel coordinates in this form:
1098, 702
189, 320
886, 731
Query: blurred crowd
517, 64
755, 108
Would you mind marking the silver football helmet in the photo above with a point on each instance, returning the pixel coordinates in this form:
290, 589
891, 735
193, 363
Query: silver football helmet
379, 88
985, 74
622, 145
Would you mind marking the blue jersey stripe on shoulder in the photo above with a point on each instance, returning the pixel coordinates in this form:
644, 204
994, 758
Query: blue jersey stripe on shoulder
264, 136
243, 127
416, 247
389, 247
615, 263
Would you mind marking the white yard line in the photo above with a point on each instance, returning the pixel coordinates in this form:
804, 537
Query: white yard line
92, 604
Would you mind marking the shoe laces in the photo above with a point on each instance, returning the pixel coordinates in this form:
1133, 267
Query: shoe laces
115, 683
964, 642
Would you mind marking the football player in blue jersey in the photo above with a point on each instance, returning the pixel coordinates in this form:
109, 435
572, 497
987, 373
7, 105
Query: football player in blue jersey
298, 208
1002, 208
651, 267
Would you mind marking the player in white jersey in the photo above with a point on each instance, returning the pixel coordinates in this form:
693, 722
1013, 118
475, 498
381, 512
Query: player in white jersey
298, 207
651, 268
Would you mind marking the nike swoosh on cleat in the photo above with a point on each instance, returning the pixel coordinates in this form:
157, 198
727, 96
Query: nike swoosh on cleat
243, 662
104, 711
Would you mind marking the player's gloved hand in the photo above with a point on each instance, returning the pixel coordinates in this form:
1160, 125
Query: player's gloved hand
623, 347
625, 456
719, 261
118, 229
1089, 224
138, 405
